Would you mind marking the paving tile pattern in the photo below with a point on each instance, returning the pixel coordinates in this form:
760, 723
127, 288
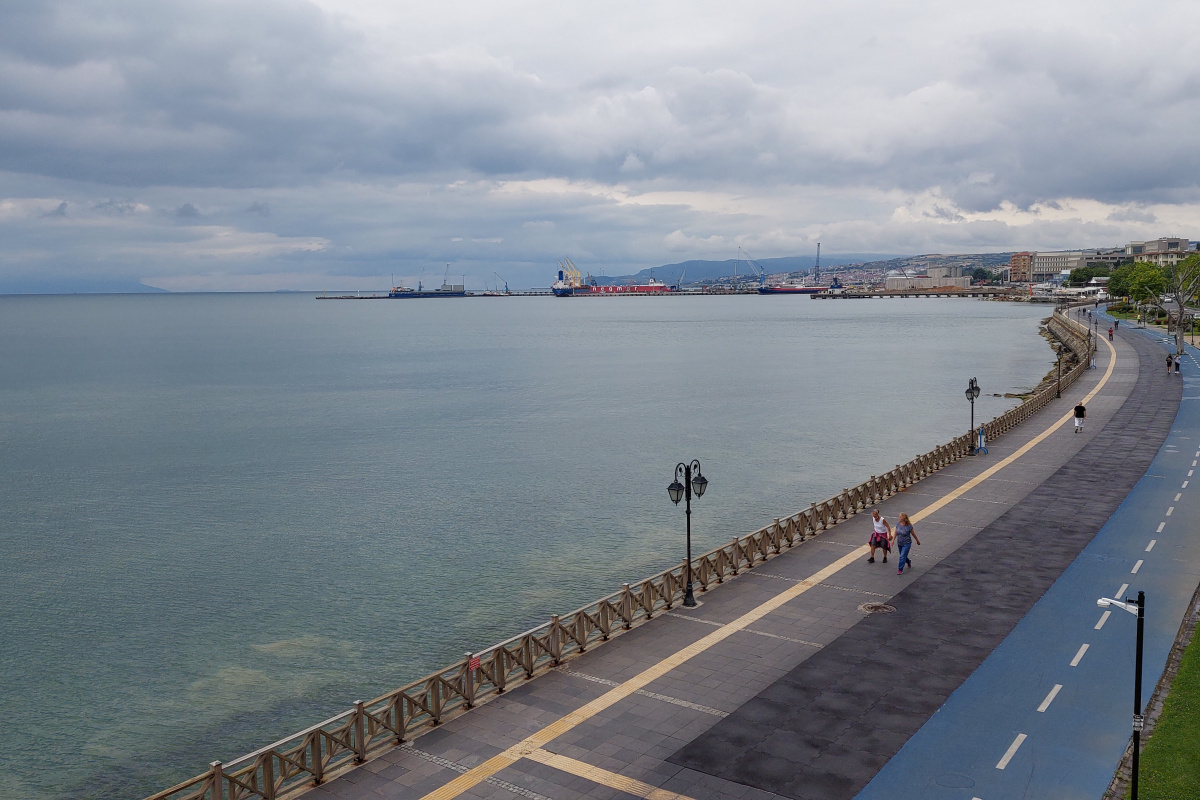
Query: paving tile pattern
825, 728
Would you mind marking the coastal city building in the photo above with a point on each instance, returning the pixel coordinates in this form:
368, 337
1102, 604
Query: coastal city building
1020, 267
1165, 252
894, 282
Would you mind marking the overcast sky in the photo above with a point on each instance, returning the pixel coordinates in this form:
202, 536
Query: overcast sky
330, 144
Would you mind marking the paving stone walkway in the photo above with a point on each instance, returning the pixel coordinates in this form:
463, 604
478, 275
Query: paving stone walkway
827, 727
709, 703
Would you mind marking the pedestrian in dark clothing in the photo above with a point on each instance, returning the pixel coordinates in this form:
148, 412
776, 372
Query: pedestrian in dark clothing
1080, 416
1117, 324
1110, 330
905, 536
1170, 363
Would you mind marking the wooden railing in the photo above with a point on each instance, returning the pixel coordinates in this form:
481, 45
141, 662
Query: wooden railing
290, 766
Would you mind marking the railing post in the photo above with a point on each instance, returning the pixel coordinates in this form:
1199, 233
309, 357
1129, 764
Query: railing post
314, 754
555, 640
468, 683
218, 779
360, 732
626, 606
268, 775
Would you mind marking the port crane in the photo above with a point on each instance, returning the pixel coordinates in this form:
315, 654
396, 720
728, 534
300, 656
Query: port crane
506, 291
744, 256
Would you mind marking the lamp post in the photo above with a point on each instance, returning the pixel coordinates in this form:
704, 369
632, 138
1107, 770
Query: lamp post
1058, 380
972, 392
687, 480
1138, 609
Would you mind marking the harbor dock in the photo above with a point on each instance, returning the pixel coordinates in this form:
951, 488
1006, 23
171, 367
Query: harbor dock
805, 669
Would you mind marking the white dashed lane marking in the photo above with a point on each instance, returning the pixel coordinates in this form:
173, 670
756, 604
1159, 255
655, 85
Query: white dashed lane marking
1150, 546
1079, 656
1049, 698
1103, 619
1011, 751
1161, 525
1137, 566
1170, 511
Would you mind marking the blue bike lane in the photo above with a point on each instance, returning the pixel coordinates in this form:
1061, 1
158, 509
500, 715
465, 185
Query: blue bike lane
1049, 713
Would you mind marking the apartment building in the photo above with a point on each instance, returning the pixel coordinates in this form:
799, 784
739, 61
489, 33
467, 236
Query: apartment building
1165, 252
1020, 267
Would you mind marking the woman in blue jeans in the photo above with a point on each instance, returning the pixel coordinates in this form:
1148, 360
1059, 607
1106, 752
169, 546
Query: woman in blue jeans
905, 536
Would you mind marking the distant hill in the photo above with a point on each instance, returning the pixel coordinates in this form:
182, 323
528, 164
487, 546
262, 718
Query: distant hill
32, 285
697, 271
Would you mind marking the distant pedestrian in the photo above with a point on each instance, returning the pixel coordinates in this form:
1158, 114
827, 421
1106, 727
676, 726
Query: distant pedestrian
1080, 416
1117, 324
1177, 372
905, 536
881, 536
1110, 330
1170, 363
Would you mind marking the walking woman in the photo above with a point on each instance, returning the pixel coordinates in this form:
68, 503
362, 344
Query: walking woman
905, 536
881, 536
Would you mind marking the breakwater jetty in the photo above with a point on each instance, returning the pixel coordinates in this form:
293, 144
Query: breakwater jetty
637, 713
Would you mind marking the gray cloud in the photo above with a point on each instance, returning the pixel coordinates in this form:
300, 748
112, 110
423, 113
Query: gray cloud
348, 142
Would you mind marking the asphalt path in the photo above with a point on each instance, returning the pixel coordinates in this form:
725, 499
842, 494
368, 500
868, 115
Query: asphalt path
1049, 713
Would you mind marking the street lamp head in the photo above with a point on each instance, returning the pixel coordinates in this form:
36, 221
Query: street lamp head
675, 490
1104, 602
972, 390
699, 484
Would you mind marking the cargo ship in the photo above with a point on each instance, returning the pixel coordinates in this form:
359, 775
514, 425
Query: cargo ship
571, 283
795, 288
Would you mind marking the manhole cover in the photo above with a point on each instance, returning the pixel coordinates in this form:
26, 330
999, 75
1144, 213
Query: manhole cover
877, 608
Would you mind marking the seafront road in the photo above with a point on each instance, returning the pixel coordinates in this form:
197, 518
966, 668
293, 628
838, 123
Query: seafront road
783, 684
1042, 698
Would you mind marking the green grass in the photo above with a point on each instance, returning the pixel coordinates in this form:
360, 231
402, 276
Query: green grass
1170, 765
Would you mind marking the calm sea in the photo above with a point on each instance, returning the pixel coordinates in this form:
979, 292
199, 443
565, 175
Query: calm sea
226, 517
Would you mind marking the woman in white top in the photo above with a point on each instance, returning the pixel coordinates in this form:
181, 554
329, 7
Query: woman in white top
881, 536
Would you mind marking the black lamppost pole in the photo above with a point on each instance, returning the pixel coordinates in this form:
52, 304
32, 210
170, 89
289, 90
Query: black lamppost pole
1138, 608
972, 392
692, 481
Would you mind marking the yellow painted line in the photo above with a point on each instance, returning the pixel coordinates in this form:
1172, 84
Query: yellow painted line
565, 723
1032, 443
603, 777
536, 741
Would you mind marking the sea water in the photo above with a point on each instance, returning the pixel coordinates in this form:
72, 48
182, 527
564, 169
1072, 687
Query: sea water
226, 517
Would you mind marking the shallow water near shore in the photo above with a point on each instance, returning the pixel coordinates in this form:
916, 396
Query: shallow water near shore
227, 517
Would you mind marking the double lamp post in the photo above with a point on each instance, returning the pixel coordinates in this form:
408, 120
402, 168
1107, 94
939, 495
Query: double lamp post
688, 480
972, 392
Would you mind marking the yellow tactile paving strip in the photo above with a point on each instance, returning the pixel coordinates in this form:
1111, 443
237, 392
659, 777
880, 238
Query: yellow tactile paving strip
531, 746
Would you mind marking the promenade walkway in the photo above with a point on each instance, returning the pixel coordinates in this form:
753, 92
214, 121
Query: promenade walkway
781, 684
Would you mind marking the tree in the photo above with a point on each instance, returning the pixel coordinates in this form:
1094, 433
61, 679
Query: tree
979, 275
1182, 282
1081, 275
1137, 281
